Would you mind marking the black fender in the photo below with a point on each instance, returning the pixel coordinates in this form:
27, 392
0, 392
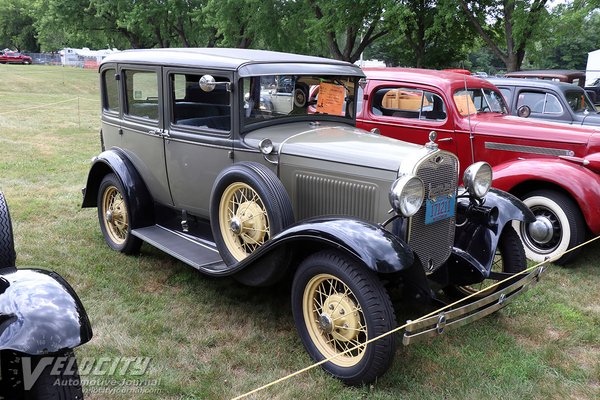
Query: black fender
478, 230
117, 162
370, 244
40, 313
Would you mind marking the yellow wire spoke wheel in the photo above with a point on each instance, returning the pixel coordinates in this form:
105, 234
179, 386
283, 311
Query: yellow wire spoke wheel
243, 219
334, 319
338, 304
116, 218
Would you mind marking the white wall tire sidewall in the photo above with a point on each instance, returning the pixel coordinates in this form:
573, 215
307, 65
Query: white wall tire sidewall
564, 221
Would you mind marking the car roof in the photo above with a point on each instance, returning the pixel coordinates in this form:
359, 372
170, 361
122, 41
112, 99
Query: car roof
548, 73
246, 61
535, 83
441, 79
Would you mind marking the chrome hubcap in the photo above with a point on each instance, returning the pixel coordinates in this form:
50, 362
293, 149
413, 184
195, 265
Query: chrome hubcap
541, 230
236, 225
326, 323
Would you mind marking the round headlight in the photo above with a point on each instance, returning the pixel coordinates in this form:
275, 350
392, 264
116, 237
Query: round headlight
407, 194
478, 179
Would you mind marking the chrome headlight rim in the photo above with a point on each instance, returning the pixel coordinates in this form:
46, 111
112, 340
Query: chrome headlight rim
402, 195
478, 179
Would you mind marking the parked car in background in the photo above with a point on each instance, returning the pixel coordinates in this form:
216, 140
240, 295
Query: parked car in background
193, 163
574, 77
13, 57
548, 100
41, 321
593, 91
554, 169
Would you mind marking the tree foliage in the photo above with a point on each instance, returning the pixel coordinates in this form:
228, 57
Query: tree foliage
421, 33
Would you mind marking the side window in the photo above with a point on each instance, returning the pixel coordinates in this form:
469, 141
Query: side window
193, 107
141, 89
408, 103
111, 91
540, 103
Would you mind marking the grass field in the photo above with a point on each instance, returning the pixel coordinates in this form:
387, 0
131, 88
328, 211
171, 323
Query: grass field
216, 339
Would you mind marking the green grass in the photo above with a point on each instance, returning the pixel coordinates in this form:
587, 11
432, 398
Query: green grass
214, 339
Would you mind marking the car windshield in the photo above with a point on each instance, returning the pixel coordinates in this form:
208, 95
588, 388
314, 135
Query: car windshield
579, 102
290, 97
479, 100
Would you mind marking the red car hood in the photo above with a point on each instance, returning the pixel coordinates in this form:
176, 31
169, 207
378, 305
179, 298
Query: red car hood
522, 128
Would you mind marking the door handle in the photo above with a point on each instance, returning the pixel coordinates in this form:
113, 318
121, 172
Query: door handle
448, 139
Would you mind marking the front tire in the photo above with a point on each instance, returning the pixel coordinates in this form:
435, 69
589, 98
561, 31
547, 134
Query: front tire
8, 255
564, 223
114, 215
58, 377
337, 305
509, 258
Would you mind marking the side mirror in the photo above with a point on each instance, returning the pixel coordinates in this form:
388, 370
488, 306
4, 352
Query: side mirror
208, 83
524, 111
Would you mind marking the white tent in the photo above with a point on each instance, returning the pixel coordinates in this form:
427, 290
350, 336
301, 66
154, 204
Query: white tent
592, 71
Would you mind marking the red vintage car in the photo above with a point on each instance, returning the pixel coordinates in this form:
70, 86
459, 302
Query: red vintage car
554, 169
13, 57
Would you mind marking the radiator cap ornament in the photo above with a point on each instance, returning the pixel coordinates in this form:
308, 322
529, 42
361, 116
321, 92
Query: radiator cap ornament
432, 145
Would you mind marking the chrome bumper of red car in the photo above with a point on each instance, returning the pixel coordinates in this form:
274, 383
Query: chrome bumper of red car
447, 320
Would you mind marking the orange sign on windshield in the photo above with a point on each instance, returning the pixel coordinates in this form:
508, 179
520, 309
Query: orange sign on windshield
331, 99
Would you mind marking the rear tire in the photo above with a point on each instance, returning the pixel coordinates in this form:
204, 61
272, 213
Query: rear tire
114, 215
8, 255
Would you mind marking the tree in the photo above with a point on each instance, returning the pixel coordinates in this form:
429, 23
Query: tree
16, 26
569, 37
506, 26
422, 35
349, 26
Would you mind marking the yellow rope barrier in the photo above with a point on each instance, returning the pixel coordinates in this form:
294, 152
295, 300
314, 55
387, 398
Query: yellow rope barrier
268, 385
40, 106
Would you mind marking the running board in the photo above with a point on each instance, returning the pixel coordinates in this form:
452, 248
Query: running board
200, 254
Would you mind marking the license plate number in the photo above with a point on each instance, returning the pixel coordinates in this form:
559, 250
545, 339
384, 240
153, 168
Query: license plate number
439, 209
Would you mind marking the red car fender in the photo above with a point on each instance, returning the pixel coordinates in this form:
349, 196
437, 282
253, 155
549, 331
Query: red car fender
582, 184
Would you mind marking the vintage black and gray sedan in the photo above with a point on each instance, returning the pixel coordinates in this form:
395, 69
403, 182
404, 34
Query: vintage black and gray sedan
205, 157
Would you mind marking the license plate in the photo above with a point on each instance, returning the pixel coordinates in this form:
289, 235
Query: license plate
439, 209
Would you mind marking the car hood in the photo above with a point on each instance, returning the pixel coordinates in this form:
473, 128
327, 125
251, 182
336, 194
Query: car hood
589, 119
524, 128
335, 142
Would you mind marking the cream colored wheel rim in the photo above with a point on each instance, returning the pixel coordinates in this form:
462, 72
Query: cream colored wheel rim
334, 319
243, 220
116, 218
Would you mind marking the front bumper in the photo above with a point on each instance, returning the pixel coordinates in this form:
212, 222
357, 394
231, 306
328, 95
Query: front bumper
446, 320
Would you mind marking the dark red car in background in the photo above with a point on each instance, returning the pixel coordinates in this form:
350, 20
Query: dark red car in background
553, 168
13, 57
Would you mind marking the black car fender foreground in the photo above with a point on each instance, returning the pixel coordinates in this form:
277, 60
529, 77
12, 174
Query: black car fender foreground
40, 313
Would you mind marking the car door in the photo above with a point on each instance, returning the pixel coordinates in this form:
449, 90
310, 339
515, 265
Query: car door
199, 145
408, 113
142, 127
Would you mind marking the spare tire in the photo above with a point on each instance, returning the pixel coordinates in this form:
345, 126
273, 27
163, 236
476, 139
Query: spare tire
8, 255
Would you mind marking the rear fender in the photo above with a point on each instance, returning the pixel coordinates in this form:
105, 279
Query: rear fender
115, 161
40, 313
581, 183
370, 244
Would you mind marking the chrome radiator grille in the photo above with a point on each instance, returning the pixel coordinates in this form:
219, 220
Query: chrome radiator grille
433, 242
322, 195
